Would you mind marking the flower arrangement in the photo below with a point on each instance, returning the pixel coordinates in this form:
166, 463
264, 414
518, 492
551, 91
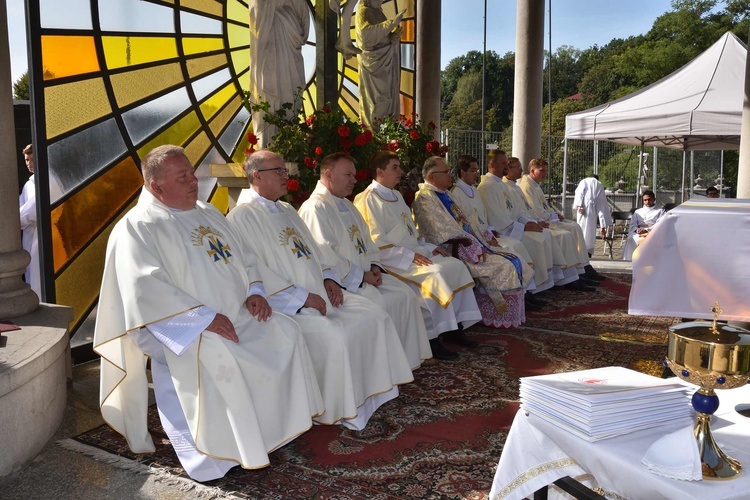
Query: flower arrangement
329, 130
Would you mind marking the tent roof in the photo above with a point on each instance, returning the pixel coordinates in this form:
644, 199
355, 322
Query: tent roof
698, 107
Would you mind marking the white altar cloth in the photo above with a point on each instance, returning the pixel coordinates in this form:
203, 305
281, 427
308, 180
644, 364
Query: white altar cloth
696, 254
537, 453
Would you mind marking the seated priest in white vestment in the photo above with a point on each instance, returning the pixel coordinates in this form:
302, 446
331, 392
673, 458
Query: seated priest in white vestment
508, 214
443, 282
590, 205
232, 381
501, 276
356, 351
641, 223
567, 232
338, 227
470, 201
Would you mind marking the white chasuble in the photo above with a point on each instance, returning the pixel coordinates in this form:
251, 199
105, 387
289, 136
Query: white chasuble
240, 400
337, 226
355, 349
567, 233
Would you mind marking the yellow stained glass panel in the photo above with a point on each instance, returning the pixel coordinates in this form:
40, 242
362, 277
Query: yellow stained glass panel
210, 106
407, 83
244, 80
351, 74
349, 98
56, 56
199, 45
134, 85
197, 148
122, 51
220, 199
207, 6
201, 65
218, 123
177, 134
78, 286
79, 218
238, 35
237, 11
74, 104
409, 7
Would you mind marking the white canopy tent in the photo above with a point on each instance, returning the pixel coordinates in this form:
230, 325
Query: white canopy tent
698, 107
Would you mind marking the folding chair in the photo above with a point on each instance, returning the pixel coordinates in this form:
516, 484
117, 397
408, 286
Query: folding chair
618, 230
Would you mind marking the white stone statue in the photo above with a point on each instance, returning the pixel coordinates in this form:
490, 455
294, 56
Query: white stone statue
344, 9
379, 62
278, 30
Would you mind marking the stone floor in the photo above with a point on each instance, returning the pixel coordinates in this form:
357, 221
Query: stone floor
62, 474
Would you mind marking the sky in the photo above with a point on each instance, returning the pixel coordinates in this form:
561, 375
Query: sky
577, 23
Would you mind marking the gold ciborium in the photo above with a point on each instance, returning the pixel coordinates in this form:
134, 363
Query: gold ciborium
712, 357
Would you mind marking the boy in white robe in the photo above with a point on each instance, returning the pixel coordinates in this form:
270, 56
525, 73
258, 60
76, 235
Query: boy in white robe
356, 352
641, 223
231, 382
590, 205
443, 282
337, 226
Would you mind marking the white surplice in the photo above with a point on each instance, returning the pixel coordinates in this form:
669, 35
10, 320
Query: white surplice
445, 285
225, 403
355, 349
591, 196
643, 218
337, 226
27, 206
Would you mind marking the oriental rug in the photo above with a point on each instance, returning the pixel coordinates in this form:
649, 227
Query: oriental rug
441, 438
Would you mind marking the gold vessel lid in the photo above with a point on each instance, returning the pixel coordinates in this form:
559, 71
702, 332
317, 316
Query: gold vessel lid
706, 332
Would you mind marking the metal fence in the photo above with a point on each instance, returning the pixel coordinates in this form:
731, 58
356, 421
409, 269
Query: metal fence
674, 175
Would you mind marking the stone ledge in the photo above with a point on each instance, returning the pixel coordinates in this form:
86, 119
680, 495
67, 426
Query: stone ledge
33, 365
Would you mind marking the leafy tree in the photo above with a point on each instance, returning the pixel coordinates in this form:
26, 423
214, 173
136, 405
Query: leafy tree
21, 88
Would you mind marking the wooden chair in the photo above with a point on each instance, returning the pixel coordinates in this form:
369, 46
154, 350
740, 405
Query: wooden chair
618, 230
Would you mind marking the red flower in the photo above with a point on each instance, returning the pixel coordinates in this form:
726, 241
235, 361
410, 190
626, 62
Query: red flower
292, 184
345, 143
309, 162
310, 120
300, 198
408, 123
360, 140
428, 147
362, 175
432, 125
394, 145
327, 109
368, 135
433, 147
344, 131
401, 118
252, 138
318, 150
249, 151
414, 135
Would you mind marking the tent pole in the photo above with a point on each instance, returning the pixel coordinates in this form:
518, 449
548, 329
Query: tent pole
596, 157
638, 183
692, 172
565, 175
654, 167
682, 187
721, 176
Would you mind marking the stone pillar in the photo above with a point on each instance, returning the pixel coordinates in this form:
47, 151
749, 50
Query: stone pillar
16, 297
427, 95
326, 57
528, 83
743, 175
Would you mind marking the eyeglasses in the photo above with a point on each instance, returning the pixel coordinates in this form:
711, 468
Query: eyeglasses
442, 172
281, 171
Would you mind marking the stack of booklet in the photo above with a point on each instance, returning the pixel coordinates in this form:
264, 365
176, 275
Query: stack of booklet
606, 402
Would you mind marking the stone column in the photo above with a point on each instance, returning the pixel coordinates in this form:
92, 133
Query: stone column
427, 95
743, 175
326, 56
528, 83
16, 297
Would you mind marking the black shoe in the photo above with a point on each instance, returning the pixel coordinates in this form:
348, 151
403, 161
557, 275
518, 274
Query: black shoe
533, 299
592, 274
440, 352
586, 281
580, 286
458, 337
530, 306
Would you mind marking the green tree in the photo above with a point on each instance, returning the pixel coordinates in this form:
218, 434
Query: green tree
21, 88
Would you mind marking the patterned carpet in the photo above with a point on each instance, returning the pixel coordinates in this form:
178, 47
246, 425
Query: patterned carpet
443, 436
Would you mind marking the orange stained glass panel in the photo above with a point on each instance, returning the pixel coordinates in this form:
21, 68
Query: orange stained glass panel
74, 104
177, 134
56, 56
197, 147
200, 65
78, 285
191, 45
123, 51
408, 30
407, 83
218, 123
207, 6
79, 218
407, 106
210, 106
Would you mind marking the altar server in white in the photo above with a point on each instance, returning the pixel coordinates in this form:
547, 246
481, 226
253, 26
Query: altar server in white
337, 226
232, 382
356, 352
27, 209
590, 205
641, 223
443, 282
